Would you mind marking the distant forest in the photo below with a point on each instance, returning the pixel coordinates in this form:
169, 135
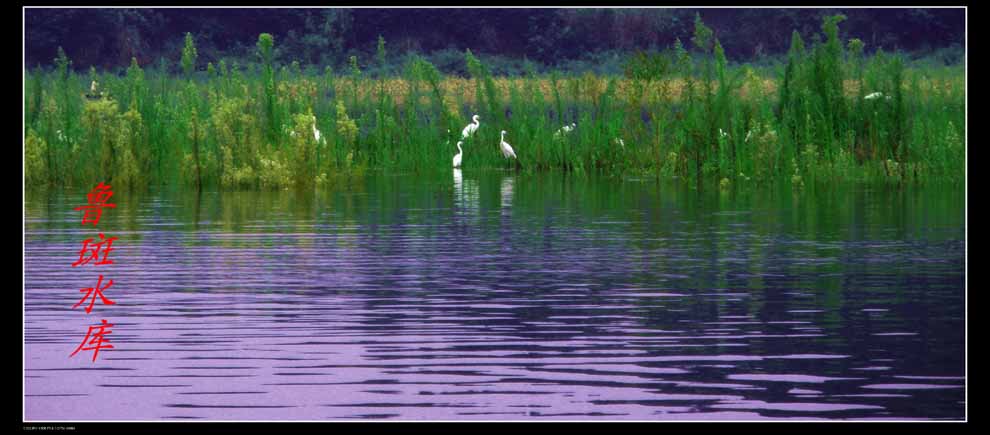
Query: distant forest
109, 38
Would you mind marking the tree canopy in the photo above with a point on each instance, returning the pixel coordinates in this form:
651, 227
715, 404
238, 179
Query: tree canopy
109, 38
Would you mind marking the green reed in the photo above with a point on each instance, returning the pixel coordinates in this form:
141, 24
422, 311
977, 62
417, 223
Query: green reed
831, 114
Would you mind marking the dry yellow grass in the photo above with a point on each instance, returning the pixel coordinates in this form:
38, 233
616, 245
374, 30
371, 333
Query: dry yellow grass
463, 90
590, 88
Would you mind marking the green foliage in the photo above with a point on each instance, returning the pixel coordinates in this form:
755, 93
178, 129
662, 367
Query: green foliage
237, 136
62, 65
355, 78
346, 127
765, 150
135, 82
380, 54
266, 48
192, 164
265, 45
35, 164
35, 95
672, 115
485, 89
648, 66
304, 144
189, 56
132, 161
703, 35
110, 136
566, 39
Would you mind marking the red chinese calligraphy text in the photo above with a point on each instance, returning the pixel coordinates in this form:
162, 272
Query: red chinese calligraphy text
92, 293
98, 198
97, 342
94, 251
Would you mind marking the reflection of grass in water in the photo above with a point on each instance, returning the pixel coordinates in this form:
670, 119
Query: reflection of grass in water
744, 224
672, 115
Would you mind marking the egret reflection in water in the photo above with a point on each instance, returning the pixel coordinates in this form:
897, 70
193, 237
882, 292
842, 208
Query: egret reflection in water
506, 190
467, 197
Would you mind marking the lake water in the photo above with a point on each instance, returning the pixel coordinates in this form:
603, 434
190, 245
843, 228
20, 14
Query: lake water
493, 296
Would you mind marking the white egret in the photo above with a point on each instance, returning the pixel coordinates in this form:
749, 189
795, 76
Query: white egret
471, 128
93, 93
876, 95
316, 132
457, 157
621, 143
565, 129
506, 148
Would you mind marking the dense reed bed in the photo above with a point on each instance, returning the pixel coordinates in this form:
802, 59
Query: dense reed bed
832, 114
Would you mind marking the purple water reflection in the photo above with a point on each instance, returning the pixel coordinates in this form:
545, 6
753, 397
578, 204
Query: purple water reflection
479, 307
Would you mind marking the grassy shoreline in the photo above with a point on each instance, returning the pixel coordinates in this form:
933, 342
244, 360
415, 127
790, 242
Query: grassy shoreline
831, 115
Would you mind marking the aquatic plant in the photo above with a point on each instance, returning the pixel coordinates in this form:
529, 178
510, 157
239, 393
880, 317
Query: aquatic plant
189, 56
35, 166
831, 113
304, 145
266, 48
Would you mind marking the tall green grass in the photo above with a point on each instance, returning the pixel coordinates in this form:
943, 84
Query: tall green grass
670, 115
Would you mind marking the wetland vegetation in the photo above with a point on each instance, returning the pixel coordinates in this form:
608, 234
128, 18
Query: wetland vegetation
830, 112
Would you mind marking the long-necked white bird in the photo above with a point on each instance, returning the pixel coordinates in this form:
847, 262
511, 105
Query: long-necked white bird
93, 94
565, 129
316, 132
471, 128
506, 148
457, 157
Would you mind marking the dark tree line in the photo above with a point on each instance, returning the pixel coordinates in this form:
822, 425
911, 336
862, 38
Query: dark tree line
108, 38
